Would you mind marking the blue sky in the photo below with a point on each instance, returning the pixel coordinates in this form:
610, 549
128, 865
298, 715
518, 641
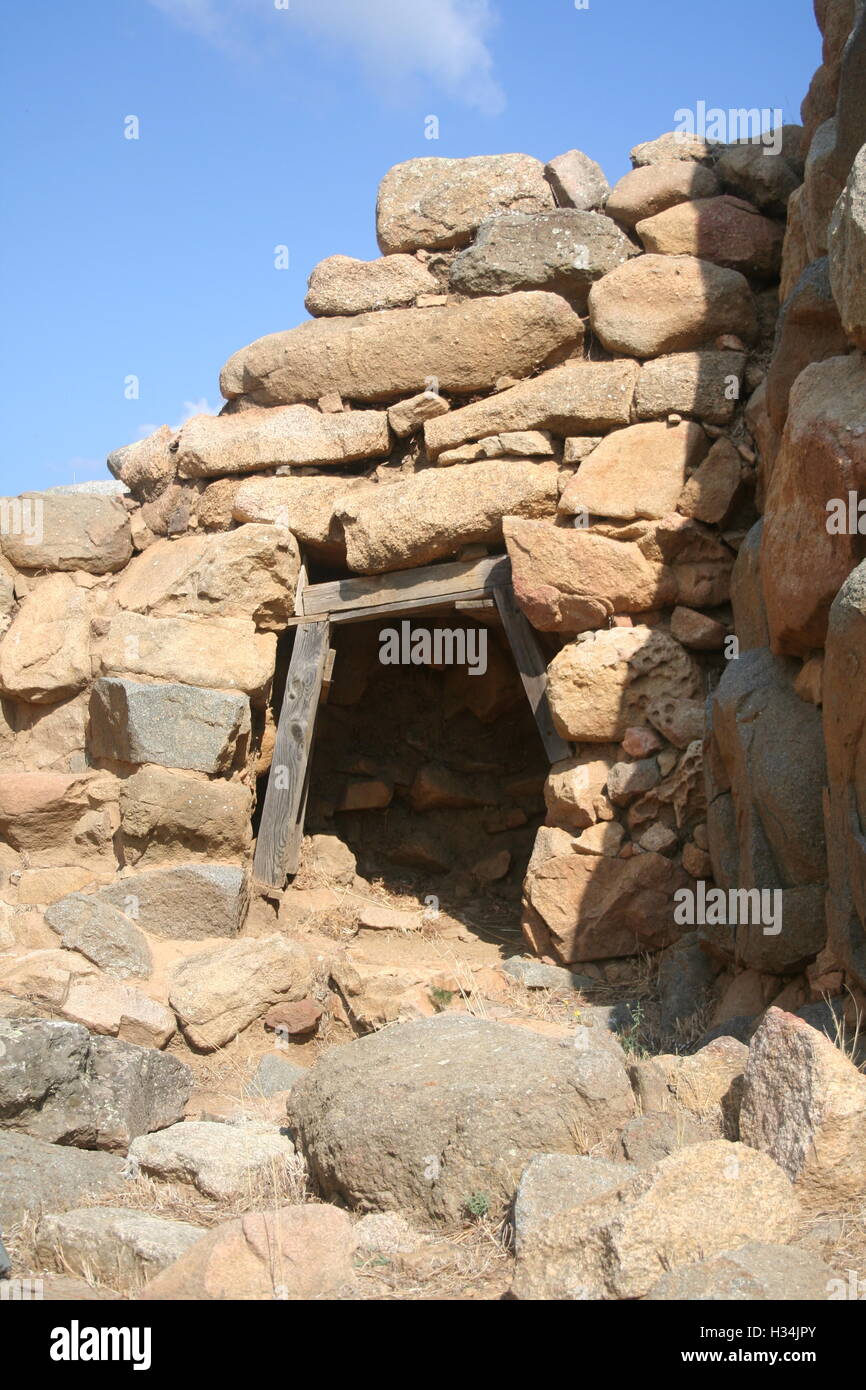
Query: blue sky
270, 122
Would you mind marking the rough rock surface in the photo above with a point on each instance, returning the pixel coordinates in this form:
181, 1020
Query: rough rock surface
169, 724
563, 251
655, 304
438, 511
294, 1253
392, 353
51, 1177
344, 285
654, 188
804, 1104
248, 573
848, 253
59, 1084
754, 1273
602, 686
439, 203
222, 1161
697, 1202
805, 560
291, 435
422, 1115
44, 656
575, 398
217, 993
116, 1246
69, 531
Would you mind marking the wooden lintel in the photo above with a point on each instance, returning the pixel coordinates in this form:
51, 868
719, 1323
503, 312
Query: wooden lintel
404, 586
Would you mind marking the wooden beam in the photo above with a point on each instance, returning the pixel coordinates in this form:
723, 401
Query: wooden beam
532, 665
282, 810
327, 676
403, 586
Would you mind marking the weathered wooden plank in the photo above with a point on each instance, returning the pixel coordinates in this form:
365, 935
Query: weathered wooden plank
372, 591
532, 665
295, 839
284, 794
412, 605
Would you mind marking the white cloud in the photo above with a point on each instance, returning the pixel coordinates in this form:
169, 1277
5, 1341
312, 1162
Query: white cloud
445, 41
190, 408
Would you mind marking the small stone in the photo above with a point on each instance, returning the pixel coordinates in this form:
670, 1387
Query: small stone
640, 742
697, 862
294, 1019
408, 416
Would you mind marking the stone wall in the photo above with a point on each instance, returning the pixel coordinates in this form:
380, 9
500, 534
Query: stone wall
599, 381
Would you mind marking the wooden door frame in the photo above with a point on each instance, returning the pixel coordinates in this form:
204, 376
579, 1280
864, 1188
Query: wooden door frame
321, 607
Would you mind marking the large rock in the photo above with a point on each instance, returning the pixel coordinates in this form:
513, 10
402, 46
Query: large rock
705, 384
704, 1090
383, 356
147, 466
298, 1254
657, 304
248, 573
724, 230
674, 144
602, 685
59, 818
767, 180
166, 816
754, 1273
117, 1010
45, 654
765, 820
747, 594
73, 531
39, 1176
563, 251
305, 506
112, 1243
439, 203
59, 1084
808, 330
653, 188
422, 1115
438, 511
695, 1203
344, 285
222, 1161
252, 441
584, 907
848, 252
845, 735
577, 181
637, 472
213, 652
102, 934
217, 993
576, 398
573, 580
804, 1104
174, 725
804, 557
185, 902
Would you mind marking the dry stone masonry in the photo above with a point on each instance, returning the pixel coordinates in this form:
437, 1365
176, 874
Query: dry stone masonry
642, 408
